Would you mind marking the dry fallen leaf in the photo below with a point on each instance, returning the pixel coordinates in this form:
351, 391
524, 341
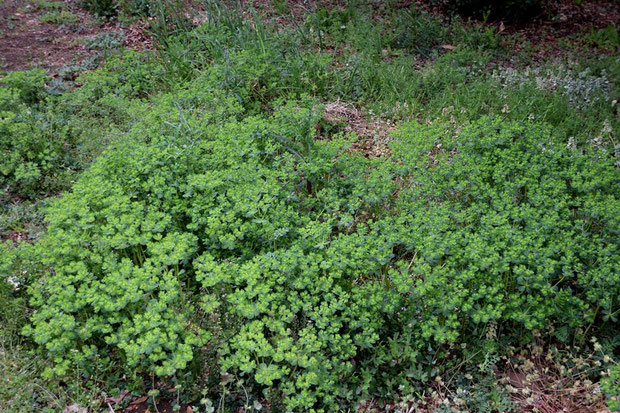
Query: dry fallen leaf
140, 400
118, 399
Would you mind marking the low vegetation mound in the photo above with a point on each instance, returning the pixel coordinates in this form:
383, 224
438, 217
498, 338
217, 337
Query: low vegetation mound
316, 273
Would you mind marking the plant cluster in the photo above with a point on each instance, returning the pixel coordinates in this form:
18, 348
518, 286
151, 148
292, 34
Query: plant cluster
582, 88
47, 136
297, 260
28, 159
63, 17
611, 386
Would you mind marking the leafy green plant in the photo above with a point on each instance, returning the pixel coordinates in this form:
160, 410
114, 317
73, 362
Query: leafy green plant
281, 7
112, 8
418, 31
605, 38
611, 386
62, 17
544, 215
29, 86
46, 138
49, 5
104, 8
28, 158
284, 240
137, 7
229, 241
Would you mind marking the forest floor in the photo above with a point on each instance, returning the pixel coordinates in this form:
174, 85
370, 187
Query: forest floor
55, 34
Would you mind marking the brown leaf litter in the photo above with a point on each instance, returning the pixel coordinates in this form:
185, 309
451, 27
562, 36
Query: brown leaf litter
373, 133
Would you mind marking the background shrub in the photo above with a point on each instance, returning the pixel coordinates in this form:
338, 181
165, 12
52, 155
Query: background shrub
112, 8
30, 159
507, 10
104, 8
29, 85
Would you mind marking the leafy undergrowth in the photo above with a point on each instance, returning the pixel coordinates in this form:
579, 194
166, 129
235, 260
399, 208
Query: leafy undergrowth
202, 223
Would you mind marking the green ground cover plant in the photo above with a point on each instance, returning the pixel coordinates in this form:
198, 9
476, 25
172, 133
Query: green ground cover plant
46, 138
63, 17
304, 270
190, 218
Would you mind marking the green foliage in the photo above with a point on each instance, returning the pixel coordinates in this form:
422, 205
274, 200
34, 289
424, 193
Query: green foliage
62, 17
274, 65
21, 217
516, 226
19, 366
49, 5
28, 85
284, 240
10, 315
112, 8
373, 68
150, 322
137, 7
103, 8
605, 38
611, 386
30, 161
418, 31
128, 75
46, 139
155, 292
501, 225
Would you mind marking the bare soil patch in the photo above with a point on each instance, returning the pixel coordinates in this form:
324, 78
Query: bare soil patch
26, 41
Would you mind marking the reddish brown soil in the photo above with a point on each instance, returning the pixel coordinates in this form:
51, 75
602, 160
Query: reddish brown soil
559, 19
27, 42
566, 19
563, 18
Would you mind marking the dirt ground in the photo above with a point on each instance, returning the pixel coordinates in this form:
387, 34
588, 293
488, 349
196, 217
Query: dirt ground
26, 41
